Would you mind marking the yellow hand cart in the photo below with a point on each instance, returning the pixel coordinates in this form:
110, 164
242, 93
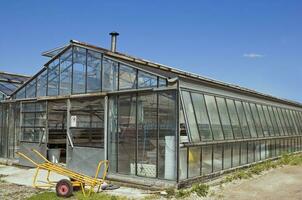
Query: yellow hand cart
64, 188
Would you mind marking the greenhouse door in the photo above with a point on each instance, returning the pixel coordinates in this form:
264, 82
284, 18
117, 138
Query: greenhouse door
33, 130
85, 148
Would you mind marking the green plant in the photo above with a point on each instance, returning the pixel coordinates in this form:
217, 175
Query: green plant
200, 189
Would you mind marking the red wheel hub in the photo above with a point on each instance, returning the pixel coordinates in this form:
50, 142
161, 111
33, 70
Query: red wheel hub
63, 189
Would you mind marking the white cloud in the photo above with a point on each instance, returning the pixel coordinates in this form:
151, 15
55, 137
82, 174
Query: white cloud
253, 55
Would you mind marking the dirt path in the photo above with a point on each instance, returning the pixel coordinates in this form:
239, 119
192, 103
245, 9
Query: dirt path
277, 184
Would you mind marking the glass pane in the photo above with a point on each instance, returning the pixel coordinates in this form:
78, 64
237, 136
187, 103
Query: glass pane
206, 160
202, 117
53, 78
298, 122
236, 154
217, 157
274, 120
110, 76
242, 120
256, 120
31, 89
292, 117
127, 134
21, 94
66, 72
268, 121
243, 153
194, 134
42, 84
194, 161
214, 117
250, 120
250, 152
183, 163
147, 135
162, 82
287, 123
127, 77
94, 66
184, 138
234, 119
112, 134
167, 135
146, 80
278, 121
225, 120
283, 122
227, 157
79, 70
257, 151
263, 121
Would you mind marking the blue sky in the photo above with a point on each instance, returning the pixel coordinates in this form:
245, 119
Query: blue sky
255, 44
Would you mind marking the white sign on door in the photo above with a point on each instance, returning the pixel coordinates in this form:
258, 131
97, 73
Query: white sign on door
73, 121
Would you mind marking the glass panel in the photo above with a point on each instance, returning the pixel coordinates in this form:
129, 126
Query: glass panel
236, 154
127, 134
194, 161
147, 135
234, 119
250, 120
274, 120
278, 152
206, 160
217, 157
31, 89
263, 121
298, 122
227, 157
278, 121
110, 75
94, 66
162, 82
202, 117
182, 126
263, 149
183, 163
112, 134
146, 80
167, 157
194, 135
66, 72
287, 123
225, 120
268, 121
256, 120
293, 119
21, 94
127, 77
89, 128
53, 78
214, 117
243, 153
242, 120
250, 152
283, 121
257, 151
79, 70
42, 84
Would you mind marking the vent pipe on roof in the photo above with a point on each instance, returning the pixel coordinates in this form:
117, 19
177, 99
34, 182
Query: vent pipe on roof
113, 40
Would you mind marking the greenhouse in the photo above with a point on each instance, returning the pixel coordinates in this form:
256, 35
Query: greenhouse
157, 125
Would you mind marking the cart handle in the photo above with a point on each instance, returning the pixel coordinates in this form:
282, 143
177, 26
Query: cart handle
27, 158
102, 162
40, 155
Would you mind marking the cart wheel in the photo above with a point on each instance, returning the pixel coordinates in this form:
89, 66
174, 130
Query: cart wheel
64, 188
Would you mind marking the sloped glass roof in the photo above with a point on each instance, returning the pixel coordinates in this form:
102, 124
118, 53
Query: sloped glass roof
10, 82
79, 70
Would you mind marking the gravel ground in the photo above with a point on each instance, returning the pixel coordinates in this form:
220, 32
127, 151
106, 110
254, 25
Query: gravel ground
10, 191
276, 184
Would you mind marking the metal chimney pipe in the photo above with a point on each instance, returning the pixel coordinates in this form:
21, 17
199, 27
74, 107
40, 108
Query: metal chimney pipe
113, 40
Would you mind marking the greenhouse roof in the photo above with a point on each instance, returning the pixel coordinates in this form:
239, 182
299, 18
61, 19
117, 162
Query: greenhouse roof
10, 82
